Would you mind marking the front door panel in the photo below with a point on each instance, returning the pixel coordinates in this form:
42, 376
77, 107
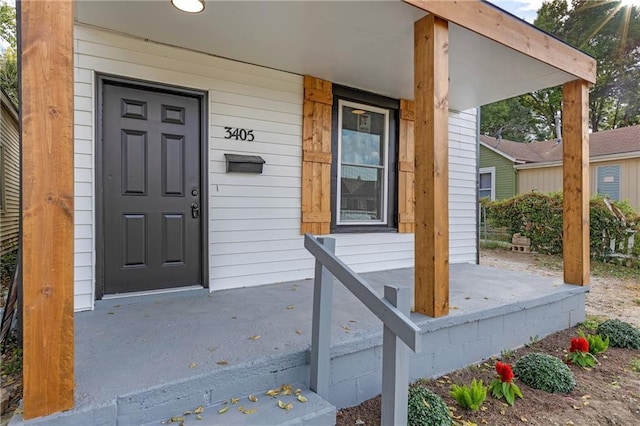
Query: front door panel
151, 182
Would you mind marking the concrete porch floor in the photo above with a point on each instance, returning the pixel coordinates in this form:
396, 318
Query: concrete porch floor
159, 343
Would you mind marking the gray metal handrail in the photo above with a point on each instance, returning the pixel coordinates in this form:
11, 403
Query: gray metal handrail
392, 310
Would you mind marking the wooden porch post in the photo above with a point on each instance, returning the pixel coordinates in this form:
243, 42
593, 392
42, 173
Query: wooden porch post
431, 91
46, 45
575, 170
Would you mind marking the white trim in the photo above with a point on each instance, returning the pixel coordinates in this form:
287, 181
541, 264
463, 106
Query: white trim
492, 171
500, 153
385, 147
598, 159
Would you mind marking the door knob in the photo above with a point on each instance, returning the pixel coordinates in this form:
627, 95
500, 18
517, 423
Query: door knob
195, 210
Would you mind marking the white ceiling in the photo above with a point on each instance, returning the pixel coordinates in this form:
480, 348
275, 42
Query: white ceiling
362, 44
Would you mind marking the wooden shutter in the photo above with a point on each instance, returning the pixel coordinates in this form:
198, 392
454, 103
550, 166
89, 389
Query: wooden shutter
406, 165
316, 156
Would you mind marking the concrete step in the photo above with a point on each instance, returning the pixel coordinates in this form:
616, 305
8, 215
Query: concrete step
261, 409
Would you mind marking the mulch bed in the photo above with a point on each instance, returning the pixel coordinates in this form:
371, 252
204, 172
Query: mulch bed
609, 394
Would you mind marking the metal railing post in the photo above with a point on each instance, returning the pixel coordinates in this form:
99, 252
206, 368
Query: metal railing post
395, 364
321, 329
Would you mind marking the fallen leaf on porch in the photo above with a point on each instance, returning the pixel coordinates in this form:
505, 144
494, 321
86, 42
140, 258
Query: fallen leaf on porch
116, 306
198, 410
111, 313
272, 392
302, 398
282, 405
467, 298
297, 392
353, 320
199, 417
486, 298
289, 406
223, 409
223, 362
256, 337
253, 398
295, 287
290, 307
235, 400
346, 328
240, 408
234, 317
285, 389
193, 365
250, 411
454, 307
176, 419
187, 413
298, 331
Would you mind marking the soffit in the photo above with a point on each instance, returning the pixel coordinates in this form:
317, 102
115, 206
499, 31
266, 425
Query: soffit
362, 44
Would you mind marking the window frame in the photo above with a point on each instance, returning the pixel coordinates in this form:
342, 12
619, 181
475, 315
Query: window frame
371, 101
598, 168
385, 166
492, 172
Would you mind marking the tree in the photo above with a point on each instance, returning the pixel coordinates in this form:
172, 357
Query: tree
9, 58
610, 32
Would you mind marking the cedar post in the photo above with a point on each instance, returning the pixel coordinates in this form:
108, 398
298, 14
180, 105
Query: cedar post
46, 80
431, 90
575, 170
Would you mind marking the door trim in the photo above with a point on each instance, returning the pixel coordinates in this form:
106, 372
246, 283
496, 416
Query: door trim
101, 80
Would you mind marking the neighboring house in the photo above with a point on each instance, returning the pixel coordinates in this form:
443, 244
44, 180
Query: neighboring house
322, 92
614, 165
9, 175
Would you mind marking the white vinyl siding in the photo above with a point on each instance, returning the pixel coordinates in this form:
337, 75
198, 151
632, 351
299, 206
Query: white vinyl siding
254, 220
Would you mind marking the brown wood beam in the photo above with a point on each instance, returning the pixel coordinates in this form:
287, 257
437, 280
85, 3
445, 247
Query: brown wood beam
489, 21
575, 170
46, 48
431, 91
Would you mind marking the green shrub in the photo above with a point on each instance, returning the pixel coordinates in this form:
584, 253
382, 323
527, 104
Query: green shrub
621, 334
545, 372
426, 408
470, 397
539, 217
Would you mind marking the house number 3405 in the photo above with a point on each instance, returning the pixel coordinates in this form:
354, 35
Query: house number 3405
238, 134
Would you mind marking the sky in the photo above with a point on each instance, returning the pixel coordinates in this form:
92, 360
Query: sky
524, 9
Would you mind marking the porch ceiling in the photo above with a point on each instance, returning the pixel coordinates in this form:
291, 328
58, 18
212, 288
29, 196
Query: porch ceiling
363, 44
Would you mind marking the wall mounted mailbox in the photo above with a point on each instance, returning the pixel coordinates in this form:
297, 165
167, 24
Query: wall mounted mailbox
244, 163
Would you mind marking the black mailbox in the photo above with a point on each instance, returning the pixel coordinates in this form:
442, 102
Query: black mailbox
244, 163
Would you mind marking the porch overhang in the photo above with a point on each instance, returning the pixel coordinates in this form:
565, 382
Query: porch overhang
362, 44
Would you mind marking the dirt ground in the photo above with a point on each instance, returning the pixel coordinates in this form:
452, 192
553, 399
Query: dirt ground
606, 395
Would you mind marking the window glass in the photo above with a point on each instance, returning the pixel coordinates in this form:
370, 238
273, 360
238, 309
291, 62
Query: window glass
363, 164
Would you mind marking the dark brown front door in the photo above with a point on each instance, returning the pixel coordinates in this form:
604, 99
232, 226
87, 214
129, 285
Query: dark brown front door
151, 201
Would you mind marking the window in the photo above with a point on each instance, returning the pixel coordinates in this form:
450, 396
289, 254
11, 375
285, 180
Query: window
363, 166
608, 181
487, 183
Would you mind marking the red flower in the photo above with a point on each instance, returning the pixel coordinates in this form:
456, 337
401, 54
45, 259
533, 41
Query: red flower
504, 370
579, 344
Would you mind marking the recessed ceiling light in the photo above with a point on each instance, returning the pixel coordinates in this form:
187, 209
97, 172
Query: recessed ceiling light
358, 111
190, 6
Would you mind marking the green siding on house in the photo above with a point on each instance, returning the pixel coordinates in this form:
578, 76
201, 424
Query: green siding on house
506, 184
